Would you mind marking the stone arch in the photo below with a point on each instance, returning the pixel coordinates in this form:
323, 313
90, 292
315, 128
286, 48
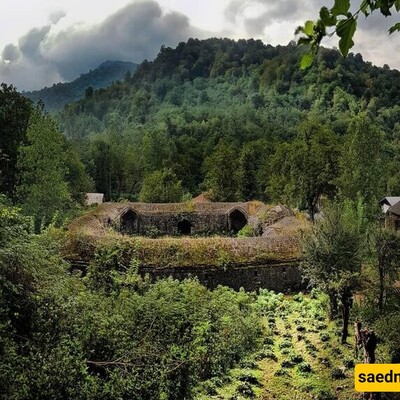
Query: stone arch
129, 222
184, 227
236, 220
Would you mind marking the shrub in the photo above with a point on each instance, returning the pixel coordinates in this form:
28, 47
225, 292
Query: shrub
324, 337
349, 364
249, 378
266, 354
248, 364
298, 297
287, 364
300, 328
285, 344
304, 367
245, 390
296, 358
282, 372
268, 341
337, 373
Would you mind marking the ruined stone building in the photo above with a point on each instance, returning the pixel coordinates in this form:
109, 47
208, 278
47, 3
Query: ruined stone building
180, 219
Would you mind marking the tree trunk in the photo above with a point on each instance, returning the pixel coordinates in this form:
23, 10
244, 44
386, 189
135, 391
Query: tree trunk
368, 340
347, 302
381, 287
333, 306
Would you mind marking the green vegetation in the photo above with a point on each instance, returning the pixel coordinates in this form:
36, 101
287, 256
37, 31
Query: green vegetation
239, 121
342, 19
96, 338
60, 94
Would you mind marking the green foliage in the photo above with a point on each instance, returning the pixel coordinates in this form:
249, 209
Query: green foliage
60, 94
385, 262
43, 188
362, 164
161, 187
332, 258
221, 173
344, 24
333, 252
113, 334
14, 115
250, 125
49, 171
305, 170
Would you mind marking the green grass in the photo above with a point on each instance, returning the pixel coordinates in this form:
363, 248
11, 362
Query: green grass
291, 364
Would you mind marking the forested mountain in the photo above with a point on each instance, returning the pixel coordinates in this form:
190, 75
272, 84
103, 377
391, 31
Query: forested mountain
59, 94
241, 120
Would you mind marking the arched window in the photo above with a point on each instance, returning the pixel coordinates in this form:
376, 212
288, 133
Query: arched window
237, 221
129, 222
184, 227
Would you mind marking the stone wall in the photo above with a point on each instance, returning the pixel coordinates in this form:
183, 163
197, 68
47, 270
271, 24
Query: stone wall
189, 223
284, 278
174, 223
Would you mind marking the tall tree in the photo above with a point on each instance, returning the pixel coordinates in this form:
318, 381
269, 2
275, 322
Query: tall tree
361, 163
43, 188
161, 187
332, 257
221, 172
15, 110
386, 260
305, 169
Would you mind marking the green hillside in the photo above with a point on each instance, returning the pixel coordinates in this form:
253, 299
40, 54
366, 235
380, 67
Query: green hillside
59, 94
247, 107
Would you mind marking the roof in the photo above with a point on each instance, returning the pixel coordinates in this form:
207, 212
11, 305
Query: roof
395, 209
390, 201
94, 198
99, 218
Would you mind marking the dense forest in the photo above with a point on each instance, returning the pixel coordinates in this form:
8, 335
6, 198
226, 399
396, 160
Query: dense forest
235, 120
242, 121
60, 94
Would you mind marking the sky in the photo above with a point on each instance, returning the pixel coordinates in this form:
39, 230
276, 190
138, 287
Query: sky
45, 42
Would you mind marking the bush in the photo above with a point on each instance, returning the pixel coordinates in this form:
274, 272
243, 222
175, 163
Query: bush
287, 364
245, 390
249, 378
269, 341
246, 231
304, 367
349, 364
296, 358
299, 297
282, 372
248, 364
337, 373
285, 344
266, 354
300, 328
324, 337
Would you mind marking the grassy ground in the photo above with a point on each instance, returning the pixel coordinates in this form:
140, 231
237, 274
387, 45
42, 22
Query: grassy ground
301, 357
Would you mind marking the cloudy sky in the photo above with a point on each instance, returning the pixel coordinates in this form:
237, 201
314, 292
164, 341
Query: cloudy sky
43, 42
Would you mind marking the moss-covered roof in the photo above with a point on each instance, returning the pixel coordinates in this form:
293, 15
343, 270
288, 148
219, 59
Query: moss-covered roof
91, 232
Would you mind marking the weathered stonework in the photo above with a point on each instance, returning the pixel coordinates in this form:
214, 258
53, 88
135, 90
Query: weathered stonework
268, 261
205, 219
280, 277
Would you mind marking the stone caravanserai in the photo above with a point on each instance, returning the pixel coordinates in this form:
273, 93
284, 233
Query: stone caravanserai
179, 232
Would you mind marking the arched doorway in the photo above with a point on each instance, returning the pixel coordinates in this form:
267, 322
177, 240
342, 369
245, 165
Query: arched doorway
237, 221
184, 227
129, 222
